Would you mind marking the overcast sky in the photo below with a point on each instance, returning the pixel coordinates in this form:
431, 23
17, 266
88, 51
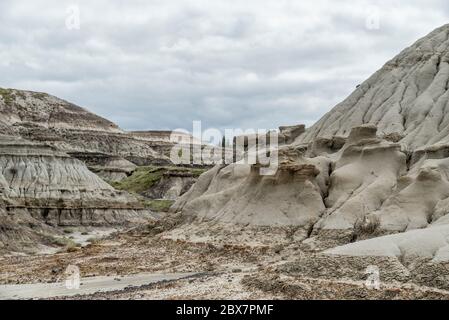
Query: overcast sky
231, 64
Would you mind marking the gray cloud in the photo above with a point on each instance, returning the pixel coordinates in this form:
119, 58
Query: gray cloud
248, 64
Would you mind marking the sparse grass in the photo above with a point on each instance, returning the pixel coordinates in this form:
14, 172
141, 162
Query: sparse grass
39, 95
94, 240
61, 242
20, 94
7, 95
145, 177
158, 205
141, 180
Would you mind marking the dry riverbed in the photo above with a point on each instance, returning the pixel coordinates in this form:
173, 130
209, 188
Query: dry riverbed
140, 265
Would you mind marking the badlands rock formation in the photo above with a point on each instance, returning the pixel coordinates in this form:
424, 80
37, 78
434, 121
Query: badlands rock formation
407, 99
377, 164
159, 186
54, 160
238, 195
56, 187
163, 141
110, 168
41, 187
44, 118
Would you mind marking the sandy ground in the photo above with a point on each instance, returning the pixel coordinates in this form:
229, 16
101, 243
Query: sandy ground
85, 286
221, 272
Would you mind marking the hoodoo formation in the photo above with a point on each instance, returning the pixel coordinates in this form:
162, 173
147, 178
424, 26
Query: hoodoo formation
371, 175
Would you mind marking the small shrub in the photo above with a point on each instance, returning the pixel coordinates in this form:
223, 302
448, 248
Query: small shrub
7, 95
158, 205
146, 177
73, 249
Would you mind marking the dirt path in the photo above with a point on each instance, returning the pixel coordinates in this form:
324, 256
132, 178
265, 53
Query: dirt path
86, 286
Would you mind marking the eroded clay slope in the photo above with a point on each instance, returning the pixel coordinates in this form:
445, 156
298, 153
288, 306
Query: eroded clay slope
237, 200
407, 99
59, 190
382, 155
369, 187
44, 118
364, 174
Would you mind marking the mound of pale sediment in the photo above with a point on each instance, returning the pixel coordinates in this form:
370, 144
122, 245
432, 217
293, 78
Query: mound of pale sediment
367, 188
431, 243
375, 164
375, 189
407, 268
239, 194
424, 253
58, 189
407, 99
424, 200
237, 200
363, 176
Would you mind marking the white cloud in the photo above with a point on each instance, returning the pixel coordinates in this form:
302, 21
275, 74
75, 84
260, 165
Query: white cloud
162, 64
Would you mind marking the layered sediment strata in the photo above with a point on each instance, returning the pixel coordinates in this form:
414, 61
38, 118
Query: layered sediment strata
109, 168
51, 186
44, 118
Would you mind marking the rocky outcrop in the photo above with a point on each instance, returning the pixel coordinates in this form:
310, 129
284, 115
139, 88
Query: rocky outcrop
363, 176
159, 183
21, 232
237, 196
53, 187
44, 118
172, 185
109, 168
407, 99
288, 134
43, 183
364, 190
430, 243
22, 108
377, 164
